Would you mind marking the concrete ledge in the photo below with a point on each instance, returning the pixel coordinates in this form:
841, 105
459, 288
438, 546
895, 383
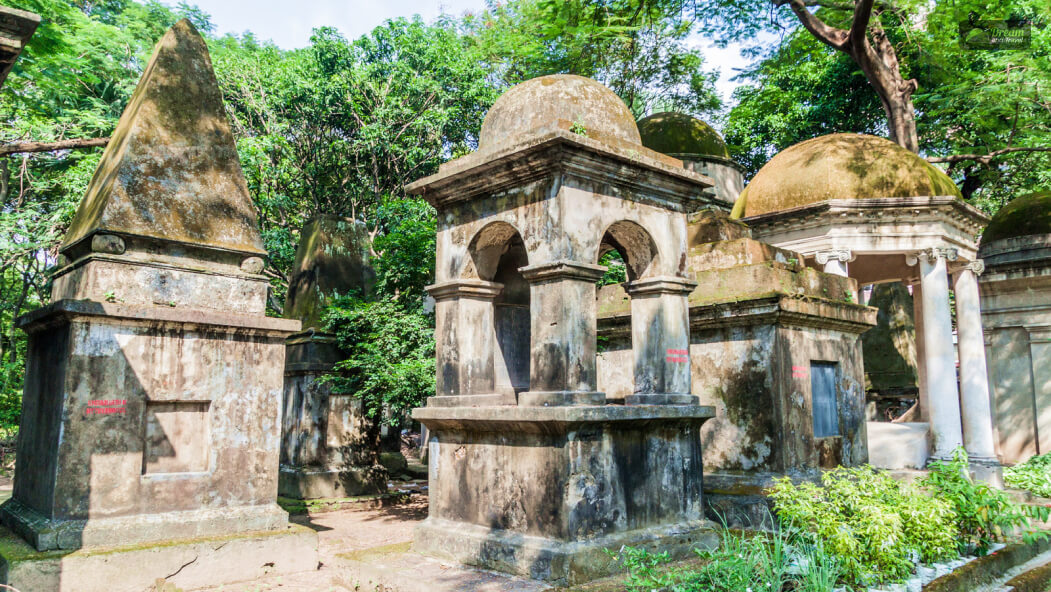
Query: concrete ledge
47, 534
187, 563
552, 560
61, 311
546, 418
987, 570
315, 482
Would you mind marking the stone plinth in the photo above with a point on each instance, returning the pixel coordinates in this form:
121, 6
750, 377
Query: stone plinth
323, 453
144, 424
543, 491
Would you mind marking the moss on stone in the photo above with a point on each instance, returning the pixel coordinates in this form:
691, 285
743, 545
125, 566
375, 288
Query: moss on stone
171, 169
680, 134
1023, 216
559, 101
840, 166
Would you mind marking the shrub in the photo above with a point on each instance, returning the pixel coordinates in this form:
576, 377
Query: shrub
1034, 475
984, 515
874, 526
757, 562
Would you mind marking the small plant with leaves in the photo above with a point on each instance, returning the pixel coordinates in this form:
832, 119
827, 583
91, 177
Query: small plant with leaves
1034, 475
985, 515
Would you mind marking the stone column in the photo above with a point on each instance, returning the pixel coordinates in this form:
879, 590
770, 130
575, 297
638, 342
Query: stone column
465, 342
974, 381
660, 337
562, 365
834, 260
921, 364
939, 358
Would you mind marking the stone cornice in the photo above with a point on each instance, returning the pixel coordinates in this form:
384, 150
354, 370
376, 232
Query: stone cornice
65, 311
866, 216
661, 285
562, 270
465, 288
560, 152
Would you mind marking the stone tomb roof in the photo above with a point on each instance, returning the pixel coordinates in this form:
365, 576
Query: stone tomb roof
559, 101
171, 172
1023, 216
840, 166
16, 27
678, 134
332, 258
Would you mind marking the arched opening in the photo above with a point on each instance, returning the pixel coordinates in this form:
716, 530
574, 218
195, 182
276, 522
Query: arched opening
497, 253
629, 253
634, 245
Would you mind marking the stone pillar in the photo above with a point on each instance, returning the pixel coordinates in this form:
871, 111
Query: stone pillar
562, 365
465, 341
939, 358
974, 381
921, 363
660, 334
834, 260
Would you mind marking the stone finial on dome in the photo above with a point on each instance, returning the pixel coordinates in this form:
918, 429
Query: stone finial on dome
840, 166
559, 101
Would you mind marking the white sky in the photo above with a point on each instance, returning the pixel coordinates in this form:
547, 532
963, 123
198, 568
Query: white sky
289, 24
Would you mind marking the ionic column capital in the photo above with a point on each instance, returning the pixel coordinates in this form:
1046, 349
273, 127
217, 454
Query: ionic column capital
843, 255
931, 255
977, 267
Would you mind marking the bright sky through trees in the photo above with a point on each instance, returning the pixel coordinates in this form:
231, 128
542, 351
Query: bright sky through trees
289, 25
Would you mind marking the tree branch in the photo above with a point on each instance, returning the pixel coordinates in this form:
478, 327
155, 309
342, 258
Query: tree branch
987, 158
860, 23
23, 147
831, 36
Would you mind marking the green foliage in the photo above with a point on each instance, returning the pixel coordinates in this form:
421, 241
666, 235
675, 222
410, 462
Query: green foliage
405, 247
388, 352
875, 526
616, 270
984, 514
637, 48
780, 561
1034, 475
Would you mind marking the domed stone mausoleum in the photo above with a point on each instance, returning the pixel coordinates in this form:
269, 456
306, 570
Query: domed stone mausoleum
531, 471
864, 207
1016, 313
698, 145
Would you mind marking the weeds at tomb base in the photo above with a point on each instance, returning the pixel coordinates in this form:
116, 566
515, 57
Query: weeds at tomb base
1034, 475
858, 528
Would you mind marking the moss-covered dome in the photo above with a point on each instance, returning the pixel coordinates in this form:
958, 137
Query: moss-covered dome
1023, 216
840, 166
676, 133
559, 101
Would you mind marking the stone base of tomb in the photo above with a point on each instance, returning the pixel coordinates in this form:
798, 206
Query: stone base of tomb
321, 482
737, 499
544, 491
557, 561
187, 563
52, 533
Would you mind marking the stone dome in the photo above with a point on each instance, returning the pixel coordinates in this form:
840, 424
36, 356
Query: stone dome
840, 166
559, 101
679, 134
1023, 216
